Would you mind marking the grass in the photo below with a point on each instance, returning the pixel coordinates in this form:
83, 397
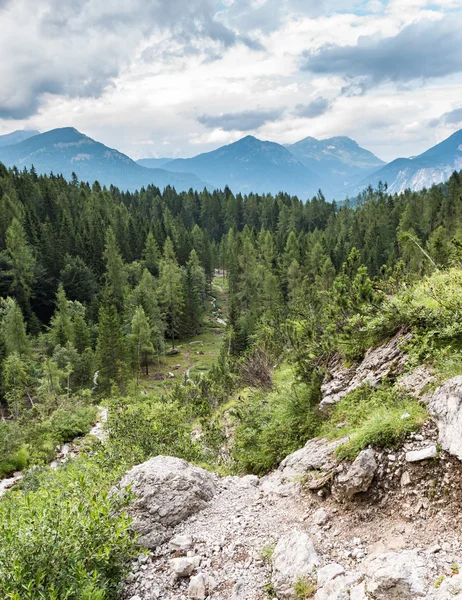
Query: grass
382, 417
304, 588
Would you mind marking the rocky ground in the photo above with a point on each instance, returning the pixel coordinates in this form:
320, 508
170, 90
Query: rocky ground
386, 527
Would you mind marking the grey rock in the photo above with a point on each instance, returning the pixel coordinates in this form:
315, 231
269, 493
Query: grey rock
396, 576
201, 586
185, 565
414, 383
181, 542
446, 406
359, 476
320, 517
294, 558
377, 364
168, 490
329, 572
423, 454
451, 587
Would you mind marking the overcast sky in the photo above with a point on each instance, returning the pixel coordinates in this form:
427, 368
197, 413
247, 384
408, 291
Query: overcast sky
179, 77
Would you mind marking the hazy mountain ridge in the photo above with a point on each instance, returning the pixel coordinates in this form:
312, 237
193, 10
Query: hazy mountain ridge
15, 137
433, 166
66, 150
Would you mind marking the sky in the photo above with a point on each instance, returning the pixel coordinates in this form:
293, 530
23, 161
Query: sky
169, 78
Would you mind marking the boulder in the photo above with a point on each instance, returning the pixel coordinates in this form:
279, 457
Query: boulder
167, 491
446, 407
396, 576
184, 566
320, 517
359, 476
450, 587
200, 586
329, 572
294, 558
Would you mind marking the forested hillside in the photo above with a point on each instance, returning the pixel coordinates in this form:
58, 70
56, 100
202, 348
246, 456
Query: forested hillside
98, 285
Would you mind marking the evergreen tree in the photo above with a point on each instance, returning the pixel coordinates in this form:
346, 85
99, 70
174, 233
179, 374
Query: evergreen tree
110, 351
171, 291
116, 275
140, 340
14, 329
22, 262
194, 284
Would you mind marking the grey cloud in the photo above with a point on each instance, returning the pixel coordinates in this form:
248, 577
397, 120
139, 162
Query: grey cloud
421, 50
77, 47
313, 109
453, 117
246, 120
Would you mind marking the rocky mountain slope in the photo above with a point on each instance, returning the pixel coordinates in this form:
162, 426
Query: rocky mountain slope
15, 137
384, 527
339, 161
434, 166
66, 151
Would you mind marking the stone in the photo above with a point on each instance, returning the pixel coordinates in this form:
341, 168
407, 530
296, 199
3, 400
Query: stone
359, 476
200, 586
405, 479
396, 576
446, 406
320, 517
329, 572
184, 566
423, 454
167, 491
415, 382
183, 543
294, 558
450, 587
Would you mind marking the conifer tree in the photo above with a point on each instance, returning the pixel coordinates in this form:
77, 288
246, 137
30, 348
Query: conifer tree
22, 262
110, 351
151, 254
13, 329
171, 291
116, 275
140, 340
194, 284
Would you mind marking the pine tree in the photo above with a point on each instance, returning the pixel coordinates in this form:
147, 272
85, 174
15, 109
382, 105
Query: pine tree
140, 340
171, 291
116, 275
13, 329
151, 255
22, 262
15, 380
194, 284
110, 351
61, 329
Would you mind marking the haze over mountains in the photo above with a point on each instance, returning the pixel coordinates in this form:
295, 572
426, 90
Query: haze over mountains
338, 165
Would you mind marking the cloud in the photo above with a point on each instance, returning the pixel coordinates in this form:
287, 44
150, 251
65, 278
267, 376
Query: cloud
77, 48
453, 117
313, 109
422, 50
246, 120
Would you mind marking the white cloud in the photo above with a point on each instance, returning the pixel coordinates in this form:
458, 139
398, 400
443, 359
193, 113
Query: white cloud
138, 75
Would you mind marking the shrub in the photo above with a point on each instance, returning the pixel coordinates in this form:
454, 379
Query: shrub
65, 538
68, 424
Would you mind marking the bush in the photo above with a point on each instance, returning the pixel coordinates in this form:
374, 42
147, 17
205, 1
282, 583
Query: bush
382, 418
272, 425
65, 538
67, 425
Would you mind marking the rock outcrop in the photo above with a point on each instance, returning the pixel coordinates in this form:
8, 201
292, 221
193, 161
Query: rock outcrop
446, 407
167, 491
294, 559
378, 363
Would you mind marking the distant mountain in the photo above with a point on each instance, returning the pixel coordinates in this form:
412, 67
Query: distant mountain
339, 161
17, 136
64, 151
435, 165
251, 165
153, 163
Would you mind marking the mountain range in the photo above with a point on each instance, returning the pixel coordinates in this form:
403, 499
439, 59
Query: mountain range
338, 165
66, 151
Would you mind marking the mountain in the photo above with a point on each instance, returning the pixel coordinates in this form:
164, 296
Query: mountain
251, 165
153, 163
17, 136
67, 150
435, 165
339, 161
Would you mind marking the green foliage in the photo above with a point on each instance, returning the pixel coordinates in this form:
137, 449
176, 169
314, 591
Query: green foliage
272, 425
140, 428
381, 418
67, 425
64, 539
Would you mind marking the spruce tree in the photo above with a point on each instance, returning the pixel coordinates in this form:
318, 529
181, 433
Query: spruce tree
171, 291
